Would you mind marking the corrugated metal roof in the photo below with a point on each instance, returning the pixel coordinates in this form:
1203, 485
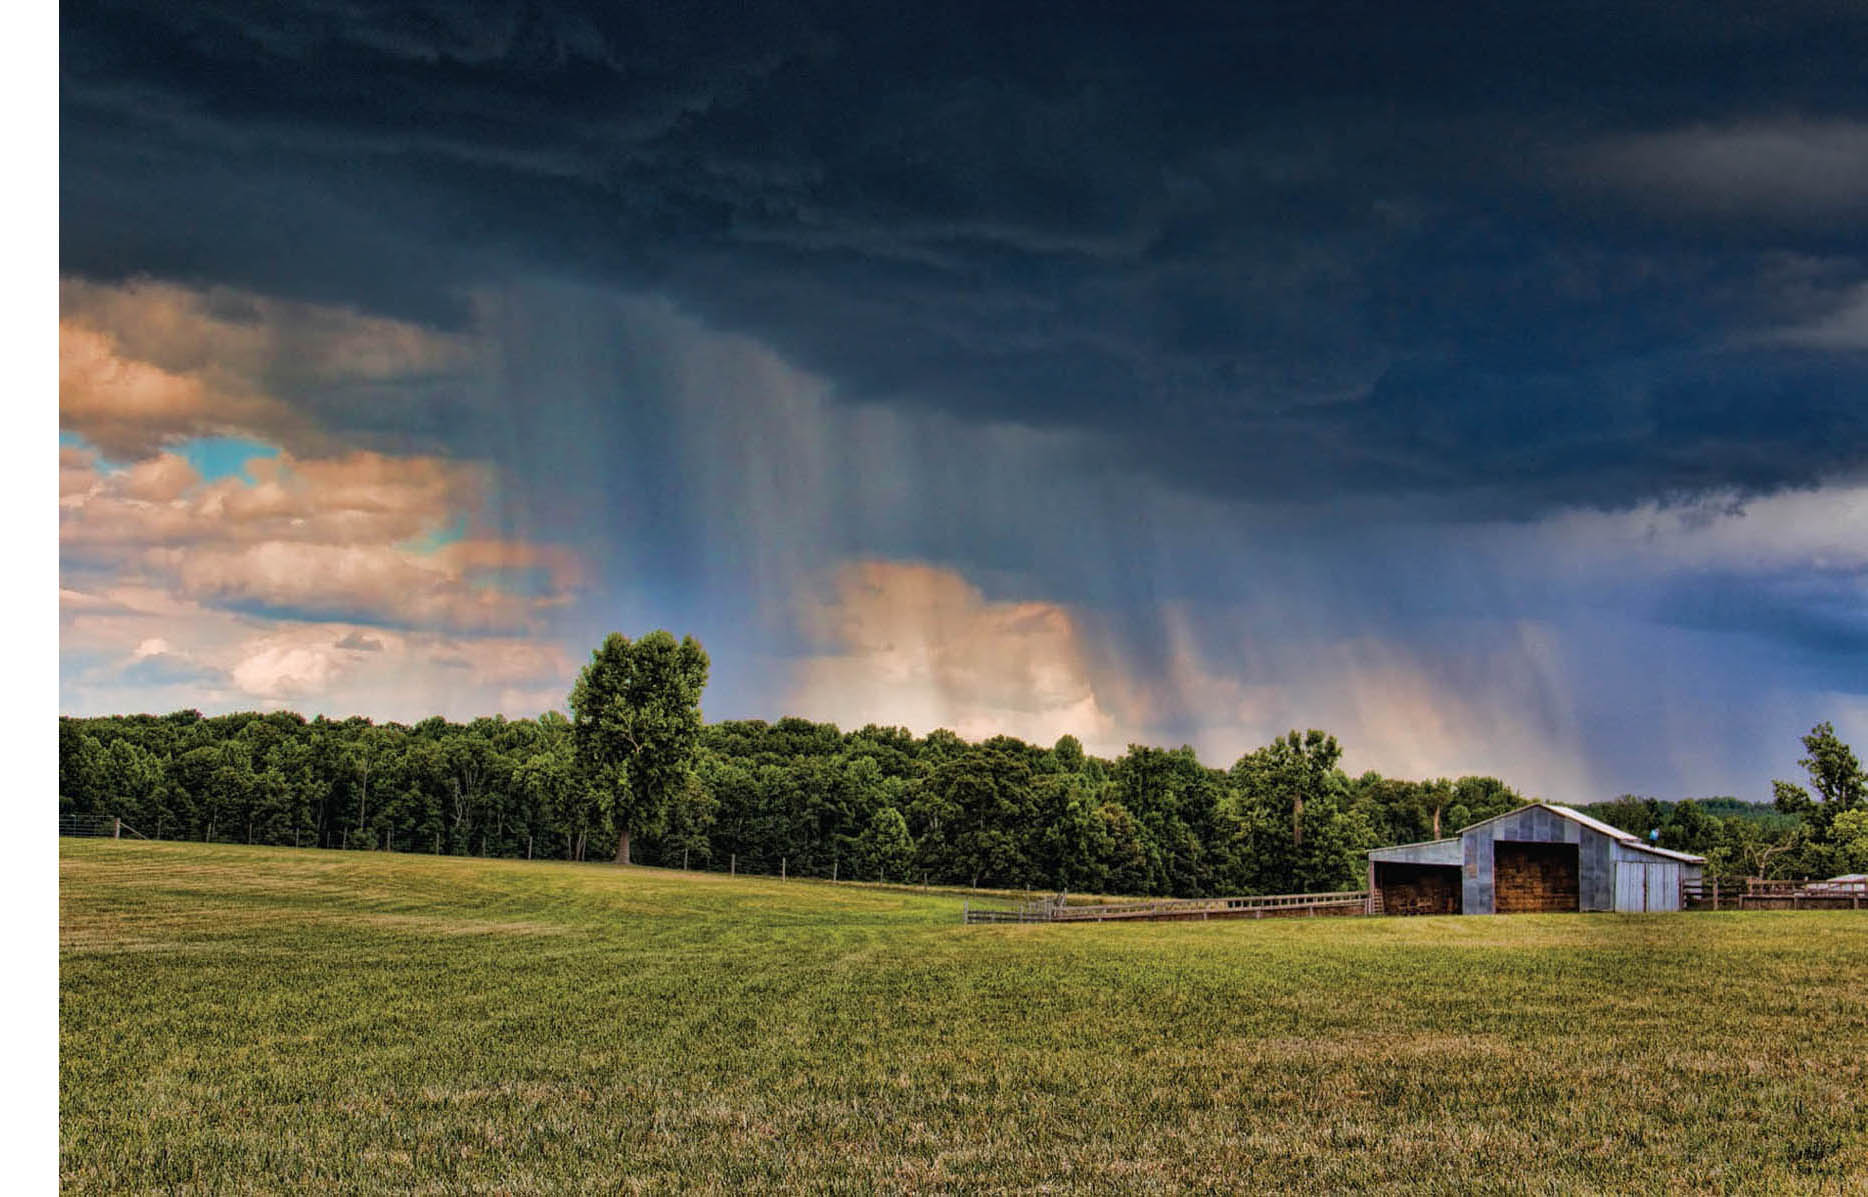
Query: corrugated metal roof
1626, 837
1615, 833
1445, 839
1576, 816
1420, 853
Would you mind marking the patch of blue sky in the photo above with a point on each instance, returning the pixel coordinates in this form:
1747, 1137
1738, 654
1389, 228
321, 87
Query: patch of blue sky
437, 539
337, 613
215, 457
71, 440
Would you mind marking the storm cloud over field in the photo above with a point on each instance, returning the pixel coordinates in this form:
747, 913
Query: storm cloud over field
1482, 384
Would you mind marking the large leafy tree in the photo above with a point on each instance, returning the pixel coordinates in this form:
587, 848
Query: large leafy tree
1291, 771
636, 723
1841, 786
1835, 773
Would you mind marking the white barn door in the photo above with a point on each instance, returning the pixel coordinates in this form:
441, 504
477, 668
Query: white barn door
1630, 887
1642, 886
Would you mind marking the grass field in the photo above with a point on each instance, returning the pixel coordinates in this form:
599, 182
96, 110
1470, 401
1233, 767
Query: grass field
246, 1019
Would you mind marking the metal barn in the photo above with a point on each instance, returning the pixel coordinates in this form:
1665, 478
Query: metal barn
1540, 857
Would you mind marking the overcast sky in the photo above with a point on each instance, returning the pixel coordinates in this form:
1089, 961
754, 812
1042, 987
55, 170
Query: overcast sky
1482, 383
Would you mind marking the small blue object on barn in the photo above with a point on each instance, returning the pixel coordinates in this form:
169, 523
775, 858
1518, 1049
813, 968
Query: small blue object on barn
1538, 858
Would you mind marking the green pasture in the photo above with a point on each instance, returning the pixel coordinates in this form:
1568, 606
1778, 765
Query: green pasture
258, 1020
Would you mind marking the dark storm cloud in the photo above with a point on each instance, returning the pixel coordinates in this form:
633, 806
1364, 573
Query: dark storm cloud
1818, 618
1491, 258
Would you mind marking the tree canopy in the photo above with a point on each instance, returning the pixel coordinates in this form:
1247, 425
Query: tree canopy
635, 773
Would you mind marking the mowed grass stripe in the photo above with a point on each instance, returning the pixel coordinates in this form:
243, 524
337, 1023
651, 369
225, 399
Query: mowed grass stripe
272, 1020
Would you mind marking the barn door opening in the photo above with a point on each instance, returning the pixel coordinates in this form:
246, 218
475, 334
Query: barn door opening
1534, 878
1416, 889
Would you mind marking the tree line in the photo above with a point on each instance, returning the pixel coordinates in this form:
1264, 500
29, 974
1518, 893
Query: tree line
633, 773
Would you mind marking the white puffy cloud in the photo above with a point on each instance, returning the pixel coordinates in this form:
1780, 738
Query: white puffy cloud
131, 647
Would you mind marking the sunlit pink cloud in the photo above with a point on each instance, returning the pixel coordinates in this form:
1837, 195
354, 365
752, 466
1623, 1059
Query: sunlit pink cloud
919, 645
319, 536
146, 364
320, 574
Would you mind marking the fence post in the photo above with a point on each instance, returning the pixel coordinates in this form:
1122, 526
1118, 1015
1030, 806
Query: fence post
781, 868
732, 868
833, 868
684, 860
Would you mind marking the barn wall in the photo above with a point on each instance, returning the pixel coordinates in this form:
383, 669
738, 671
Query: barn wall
1536, 825
1597, 862
1645, 881
1476, 874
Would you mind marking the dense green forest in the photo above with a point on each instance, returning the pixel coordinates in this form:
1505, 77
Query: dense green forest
877, 803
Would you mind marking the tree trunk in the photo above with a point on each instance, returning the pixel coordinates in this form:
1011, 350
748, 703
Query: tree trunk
622, 846
1297, 821
1436, 822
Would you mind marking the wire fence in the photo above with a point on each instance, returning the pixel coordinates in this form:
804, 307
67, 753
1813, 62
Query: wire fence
97, 827
838, 870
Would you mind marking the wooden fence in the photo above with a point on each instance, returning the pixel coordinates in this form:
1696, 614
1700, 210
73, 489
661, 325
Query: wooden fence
1756, 893
1255, 906
1710, 894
